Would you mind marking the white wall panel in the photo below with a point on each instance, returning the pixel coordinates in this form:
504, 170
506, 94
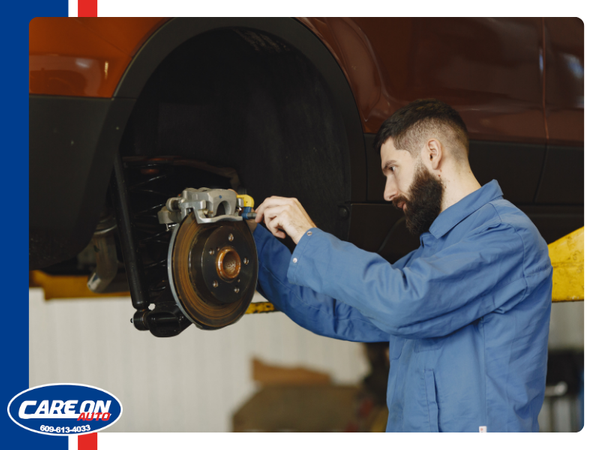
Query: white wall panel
566, 326
192, 382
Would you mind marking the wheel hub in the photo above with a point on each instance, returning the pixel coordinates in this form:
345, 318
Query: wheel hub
228, 264
213, 270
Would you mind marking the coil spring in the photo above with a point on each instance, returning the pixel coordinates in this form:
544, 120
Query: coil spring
147, 194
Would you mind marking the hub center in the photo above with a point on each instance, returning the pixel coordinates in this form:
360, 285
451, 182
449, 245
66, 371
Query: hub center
228, 263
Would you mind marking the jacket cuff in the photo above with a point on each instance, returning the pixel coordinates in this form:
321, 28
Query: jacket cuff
300, 256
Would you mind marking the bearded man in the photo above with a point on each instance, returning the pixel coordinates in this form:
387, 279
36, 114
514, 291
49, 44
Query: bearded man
466, 314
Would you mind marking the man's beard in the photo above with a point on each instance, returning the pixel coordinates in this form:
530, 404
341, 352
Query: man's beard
426, 201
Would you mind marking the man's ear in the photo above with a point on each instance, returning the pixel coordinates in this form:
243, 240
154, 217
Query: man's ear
434, 153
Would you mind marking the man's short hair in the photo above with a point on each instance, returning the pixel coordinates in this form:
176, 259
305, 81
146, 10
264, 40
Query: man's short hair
420, 120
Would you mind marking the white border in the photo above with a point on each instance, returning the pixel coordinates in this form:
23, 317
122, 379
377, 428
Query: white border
74, 8
576, 8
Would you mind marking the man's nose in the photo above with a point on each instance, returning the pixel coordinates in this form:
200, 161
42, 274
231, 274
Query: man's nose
390, 190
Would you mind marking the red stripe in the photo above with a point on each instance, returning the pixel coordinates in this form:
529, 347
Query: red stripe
87, 441
87, 8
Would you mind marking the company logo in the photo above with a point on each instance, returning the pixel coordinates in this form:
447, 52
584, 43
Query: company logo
64, 409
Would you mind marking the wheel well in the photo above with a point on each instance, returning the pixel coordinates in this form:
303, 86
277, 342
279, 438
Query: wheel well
245, 98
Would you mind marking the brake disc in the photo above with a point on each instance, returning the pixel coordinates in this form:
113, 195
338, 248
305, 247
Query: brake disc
212, 262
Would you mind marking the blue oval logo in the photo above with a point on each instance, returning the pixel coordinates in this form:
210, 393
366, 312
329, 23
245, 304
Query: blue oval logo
64, 409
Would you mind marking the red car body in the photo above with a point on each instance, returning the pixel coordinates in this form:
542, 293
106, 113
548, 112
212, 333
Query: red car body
293, 105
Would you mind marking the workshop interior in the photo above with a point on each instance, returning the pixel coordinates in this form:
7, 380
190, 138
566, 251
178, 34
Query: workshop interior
152, 140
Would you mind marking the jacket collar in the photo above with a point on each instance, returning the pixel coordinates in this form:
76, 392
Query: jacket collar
456, 213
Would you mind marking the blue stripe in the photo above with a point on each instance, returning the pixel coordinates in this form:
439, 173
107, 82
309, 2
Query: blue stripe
15, 185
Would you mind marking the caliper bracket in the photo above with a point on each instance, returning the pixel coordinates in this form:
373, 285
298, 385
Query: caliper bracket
208, 206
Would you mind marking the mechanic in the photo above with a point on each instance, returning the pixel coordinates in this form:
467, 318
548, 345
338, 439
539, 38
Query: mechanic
466, 314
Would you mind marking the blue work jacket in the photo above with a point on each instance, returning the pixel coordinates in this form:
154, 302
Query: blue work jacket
466, 314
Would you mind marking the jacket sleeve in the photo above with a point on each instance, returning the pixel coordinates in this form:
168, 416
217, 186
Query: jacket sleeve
428, 297
316, 312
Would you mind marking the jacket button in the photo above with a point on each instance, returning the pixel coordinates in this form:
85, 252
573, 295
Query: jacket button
309, 233
295, 260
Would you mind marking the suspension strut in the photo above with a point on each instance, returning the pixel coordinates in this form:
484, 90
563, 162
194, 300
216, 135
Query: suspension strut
170, 295
144, 244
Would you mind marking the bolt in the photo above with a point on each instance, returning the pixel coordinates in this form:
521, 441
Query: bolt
211, 252
240, 280
230, 237
215, 284
236, 290
246, 261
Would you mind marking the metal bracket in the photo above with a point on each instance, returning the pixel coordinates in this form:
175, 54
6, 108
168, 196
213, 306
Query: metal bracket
105, 277
208, 206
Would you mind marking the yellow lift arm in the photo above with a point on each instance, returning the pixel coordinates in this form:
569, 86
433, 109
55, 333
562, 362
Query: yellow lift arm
566, 256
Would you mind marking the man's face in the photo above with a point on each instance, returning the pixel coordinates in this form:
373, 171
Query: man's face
411, 187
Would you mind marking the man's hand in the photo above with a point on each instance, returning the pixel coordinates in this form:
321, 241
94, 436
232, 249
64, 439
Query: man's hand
284, 215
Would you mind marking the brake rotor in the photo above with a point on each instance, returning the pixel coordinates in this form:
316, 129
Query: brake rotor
213, 270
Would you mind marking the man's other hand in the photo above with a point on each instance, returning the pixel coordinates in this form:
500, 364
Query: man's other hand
284, 216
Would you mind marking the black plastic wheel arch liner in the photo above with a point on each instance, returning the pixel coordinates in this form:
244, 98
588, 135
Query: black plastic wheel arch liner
72, 144
74, 140
177, 31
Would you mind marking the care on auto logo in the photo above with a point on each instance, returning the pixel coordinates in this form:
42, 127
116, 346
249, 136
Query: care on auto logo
64, 409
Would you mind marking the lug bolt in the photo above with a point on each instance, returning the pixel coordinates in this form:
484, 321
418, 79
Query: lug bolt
236, 290
211, 252
246, 261
230, 237
215, 284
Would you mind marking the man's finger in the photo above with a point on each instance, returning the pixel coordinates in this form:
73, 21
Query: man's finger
273, 214
268, 203
273, 224
284, 217
275, 210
